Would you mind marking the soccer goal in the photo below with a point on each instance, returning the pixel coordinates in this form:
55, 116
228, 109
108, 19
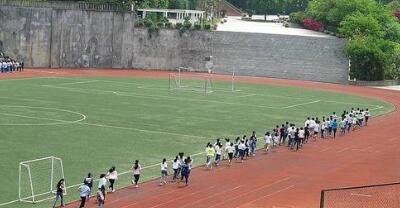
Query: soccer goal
38, 179
200, 82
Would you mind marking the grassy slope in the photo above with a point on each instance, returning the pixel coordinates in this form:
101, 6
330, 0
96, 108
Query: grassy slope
138, 118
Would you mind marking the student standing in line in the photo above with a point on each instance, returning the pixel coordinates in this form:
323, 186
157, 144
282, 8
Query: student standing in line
253, 144
367, 115
60, 192
301, 136
100, 198
282, 135
334, 127
89, 181
342, 126
218, 153
316, 131
84, 192
267, 139
112, 176
164, 172
297, 139
246, 151
306, 133
242, 149
229, 150
102, 184
185, 172
210, 152
136, 169
175, 166
323, 128
180, 159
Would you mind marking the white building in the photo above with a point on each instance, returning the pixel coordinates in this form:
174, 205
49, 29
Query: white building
175, 15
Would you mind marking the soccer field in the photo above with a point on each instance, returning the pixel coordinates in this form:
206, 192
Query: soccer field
93, 123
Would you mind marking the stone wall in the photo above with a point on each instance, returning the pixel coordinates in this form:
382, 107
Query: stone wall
54, 37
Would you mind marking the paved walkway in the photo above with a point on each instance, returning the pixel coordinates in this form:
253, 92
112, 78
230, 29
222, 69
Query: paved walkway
235, 24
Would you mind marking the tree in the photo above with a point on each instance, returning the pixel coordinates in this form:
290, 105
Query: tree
360, 25
370, 57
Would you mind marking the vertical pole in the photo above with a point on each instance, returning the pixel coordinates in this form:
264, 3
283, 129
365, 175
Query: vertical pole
19, 182
169, 82
179, 77
321, 203
30, 180
205, 86
233, 81
63, 176
52, 174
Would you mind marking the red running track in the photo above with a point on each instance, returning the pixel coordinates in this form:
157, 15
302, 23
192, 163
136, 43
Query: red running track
282, 178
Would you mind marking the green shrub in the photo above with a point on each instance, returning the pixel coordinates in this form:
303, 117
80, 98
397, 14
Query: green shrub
148, 23
197, 26
207, 26
168, 25
297, 17
178, 25
160, 24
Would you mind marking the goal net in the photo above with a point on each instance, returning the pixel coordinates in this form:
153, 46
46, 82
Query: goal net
195, 83
38, 179
202, 83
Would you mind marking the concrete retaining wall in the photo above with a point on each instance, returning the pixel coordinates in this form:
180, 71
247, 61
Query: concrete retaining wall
54, 37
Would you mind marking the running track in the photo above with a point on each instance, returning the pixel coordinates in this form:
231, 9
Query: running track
281, 179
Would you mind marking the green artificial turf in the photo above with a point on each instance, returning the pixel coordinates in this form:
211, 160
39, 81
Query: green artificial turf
93, 123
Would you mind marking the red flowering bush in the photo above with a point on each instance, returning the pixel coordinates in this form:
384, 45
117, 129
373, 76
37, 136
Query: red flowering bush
313, 24
397, 13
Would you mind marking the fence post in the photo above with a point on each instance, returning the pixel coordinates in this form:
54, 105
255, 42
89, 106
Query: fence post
321, 203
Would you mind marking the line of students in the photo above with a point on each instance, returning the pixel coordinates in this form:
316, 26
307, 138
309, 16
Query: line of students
241, 149
10, 65
296, 136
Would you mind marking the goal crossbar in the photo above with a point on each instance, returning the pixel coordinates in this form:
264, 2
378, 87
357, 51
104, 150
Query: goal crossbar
34, 197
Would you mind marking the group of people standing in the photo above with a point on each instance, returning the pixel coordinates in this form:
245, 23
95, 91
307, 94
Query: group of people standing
288, 133
242, 148
10, 65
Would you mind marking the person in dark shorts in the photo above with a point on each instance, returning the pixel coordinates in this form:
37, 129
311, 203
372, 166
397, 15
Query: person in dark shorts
230, 149
59, 193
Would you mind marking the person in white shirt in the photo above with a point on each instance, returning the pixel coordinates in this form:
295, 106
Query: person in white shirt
112, 176
136, 169
218, 153
302, 135
164, 172
267, 139
316, 131
176, 164
102, 184
323, 128
367, 115
242, 149
230, 149
227, 144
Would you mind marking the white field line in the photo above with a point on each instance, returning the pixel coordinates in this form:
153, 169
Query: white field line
141, 130
83, 116
248, 95
72, 83
301, 104
130, 94
26, 78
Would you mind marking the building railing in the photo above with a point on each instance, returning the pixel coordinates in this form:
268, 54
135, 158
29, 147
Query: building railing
70, 5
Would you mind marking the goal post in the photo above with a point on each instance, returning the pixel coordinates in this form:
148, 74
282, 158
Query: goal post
201, 82
194, 83
37, 179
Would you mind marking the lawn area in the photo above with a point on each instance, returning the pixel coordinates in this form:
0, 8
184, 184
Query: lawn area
93, 123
